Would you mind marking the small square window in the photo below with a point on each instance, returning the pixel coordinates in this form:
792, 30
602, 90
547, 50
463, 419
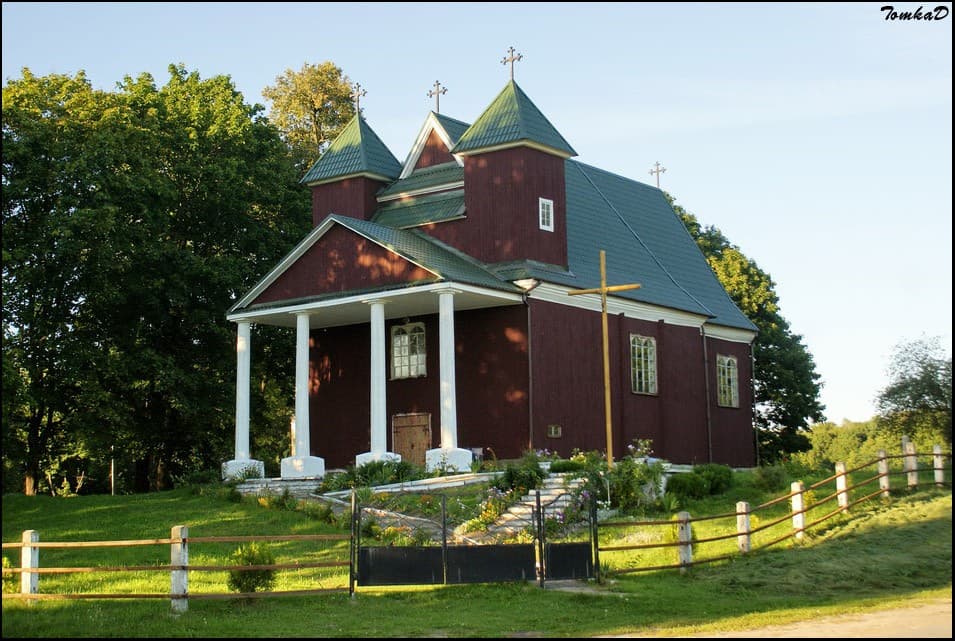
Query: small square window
546, 214
554, 431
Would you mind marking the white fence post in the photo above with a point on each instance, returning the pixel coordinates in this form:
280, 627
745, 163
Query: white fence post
179, 555
799, 517
685, 536
842, 497
29, 560
939, 465
911, 465
742, 527
883, 474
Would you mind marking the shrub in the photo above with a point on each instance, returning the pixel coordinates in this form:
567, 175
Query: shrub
567, 465
688, 485
524, 476
248, 581
11, 580
719, 477
769, 477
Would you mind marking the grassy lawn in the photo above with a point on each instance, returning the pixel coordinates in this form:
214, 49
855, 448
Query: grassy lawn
883, 554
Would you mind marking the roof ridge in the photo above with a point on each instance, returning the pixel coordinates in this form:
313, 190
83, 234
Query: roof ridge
640, 240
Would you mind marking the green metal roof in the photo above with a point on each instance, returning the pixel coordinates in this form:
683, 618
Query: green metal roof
512, 118
448, 263
453, 127
411, 212
646, 243
356, 150
425, 178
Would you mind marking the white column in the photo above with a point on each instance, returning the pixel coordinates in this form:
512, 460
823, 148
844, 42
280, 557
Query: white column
242, 464
449, 455
449, 398
302, 464
302, 366
378, 398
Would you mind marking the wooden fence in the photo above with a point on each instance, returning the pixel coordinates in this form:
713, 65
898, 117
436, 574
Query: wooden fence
179, 567
802, 502
678, 533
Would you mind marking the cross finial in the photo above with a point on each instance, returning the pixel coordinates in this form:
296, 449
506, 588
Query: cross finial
436, 94
356, 94
658, 170
512, 59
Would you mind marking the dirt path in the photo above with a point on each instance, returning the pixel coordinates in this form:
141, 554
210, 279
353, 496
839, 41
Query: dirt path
927, 620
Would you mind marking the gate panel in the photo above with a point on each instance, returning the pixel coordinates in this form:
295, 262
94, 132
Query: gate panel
491, 563
399, 566
568, 561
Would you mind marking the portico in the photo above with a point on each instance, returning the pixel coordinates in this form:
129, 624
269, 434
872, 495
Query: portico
371, 309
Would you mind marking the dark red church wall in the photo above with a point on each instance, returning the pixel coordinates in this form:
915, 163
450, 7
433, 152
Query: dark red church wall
341, 261
353, 197
567, 383
733, 437
502, 189
491, 376
434, 152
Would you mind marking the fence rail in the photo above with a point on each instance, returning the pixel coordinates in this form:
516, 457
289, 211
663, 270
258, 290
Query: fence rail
686, 544
678, 535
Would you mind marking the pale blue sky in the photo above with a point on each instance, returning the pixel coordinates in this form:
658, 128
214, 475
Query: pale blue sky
817, 137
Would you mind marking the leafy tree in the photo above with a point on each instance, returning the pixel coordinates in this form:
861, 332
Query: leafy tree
310, 107
786, 384
132, 221
917, 402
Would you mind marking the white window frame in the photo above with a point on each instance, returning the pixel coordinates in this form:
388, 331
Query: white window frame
409, 353
545, 213
727, 381
643, 364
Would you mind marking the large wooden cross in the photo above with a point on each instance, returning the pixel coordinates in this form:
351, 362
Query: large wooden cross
659, 170
436, 93
356, 94
603, 290
512, 59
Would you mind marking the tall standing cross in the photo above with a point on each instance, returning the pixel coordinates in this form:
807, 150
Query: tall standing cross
512, 59
436, 93
603, 290
356, 94
659, 170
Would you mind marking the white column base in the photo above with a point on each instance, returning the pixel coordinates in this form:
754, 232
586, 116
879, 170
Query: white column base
241, 469
451, 459
303, 467
368, 457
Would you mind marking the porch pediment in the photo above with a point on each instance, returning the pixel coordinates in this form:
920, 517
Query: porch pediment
338, 261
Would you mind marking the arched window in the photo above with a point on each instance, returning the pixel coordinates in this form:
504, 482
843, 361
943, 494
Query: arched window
727, 381
408, 351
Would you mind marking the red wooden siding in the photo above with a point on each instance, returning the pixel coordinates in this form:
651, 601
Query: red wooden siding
567, 389
491, 375
434, 153
501, 192
353, 197
342, 261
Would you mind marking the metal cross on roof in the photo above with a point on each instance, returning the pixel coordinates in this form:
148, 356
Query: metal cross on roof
659, 170
512, 59
436, 94
356, 94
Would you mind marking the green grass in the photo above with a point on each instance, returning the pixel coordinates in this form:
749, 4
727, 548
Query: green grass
886, 553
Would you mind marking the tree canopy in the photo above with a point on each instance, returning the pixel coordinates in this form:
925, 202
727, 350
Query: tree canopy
786, 384
917, 402
132, 220
310, 107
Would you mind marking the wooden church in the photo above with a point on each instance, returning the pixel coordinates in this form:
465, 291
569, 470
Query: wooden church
438, 313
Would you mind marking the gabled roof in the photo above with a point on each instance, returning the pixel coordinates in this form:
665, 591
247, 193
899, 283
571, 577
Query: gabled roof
454, 128
512, 119
646, 243
445, 262
422, 210
356, 151
449, 173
